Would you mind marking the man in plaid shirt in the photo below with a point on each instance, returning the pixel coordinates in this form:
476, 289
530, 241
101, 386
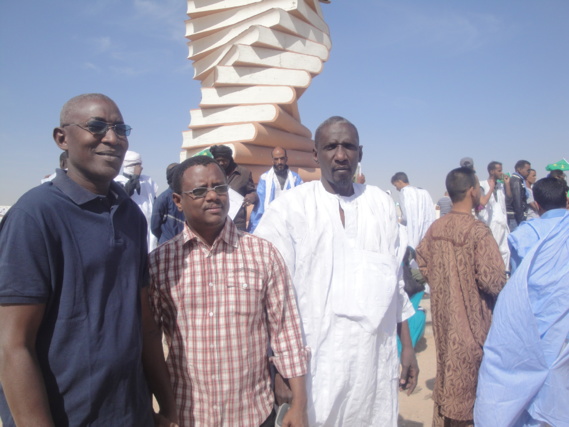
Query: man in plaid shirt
222, 297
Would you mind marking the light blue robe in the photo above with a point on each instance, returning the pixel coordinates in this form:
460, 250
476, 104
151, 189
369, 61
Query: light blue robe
266, 193
524, 377
529, 233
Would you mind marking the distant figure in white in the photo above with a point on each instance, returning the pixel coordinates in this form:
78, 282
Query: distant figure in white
417, 208
492, 210
272, 184
141, 189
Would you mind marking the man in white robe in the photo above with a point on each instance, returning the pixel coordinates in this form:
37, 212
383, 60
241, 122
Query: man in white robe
493, 207
340, 242
417, 208
141, 188
272, 184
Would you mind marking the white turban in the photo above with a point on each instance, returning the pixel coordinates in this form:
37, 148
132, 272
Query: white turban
131, 158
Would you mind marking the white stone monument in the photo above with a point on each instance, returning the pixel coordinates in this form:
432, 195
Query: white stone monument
255, 58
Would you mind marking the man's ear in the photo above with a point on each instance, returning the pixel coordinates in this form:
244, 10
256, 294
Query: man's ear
361, 153
177, 200
60, 138
315, 155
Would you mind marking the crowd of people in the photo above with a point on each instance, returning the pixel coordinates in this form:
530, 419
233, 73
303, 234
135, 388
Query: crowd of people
280, 303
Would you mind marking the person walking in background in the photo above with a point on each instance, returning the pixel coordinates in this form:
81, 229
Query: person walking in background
492, 208
417, 208
272, 184
141, 189
444, 205
239, 179
531, 212
462, 263
62, 166
167, 220
516, 206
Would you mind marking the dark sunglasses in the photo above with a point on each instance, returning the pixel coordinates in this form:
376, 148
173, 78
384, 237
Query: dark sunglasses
98, 127
200, 192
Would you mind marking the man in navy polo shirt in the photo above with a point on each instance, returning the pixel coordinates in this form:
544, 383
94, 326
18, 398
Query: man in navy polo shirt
77, 337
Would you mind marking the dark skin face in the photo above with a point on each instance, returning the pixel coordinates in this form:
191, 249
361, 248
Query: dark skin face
223, 162
524, 171
94, 160
205, 216
338, 152
496, 172
279, 160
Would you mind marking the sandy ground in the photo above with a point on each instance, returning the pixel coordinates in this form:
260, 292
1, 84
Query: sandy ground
417, 410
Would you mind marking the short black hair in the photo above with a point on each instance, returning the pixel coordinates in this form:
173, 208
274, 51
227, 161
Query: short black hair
400, 176
185, 165
221, 151
550, 193
330, 121
492, 165
521, 164
458, 181
170, 173
557, 174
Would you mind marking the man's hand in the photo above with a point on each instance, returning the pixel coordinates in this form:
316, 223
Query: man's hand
249, 199
409, 370
161, 421
283, 393
295, 417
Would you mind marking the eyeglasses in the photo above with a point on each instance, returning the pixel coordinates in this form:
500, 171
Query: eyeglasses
199, 192
98, 127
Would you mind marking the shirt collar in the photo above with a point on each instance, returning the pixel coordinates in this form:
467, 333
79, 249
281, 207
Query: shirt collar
80, 195
229, 234
554, 213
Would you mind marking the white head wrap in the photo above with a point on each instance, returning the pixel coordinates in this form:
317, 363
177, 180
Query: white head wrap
131, 158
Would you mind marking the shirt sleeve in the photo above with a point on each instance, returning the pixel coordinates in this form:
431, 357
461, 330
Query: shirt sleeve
25, 273
404, 307
290, 355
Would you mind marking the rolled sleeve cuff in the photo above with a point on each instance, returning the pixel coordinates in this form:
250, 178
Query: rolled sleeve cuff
292, 364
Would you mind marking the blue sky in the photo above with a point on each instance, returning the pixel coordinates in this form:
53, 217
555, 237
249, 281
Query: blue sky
426, 82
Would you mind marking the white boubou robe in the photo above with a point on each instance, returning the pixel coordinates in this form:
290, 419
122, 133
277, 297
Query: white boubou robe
350, 297
494, 215
145, 201
418, 213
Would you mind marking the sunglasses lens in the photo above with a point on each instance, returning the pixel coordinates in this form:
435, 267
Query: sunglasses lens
199, 192
97, 127
222, 189
122, 130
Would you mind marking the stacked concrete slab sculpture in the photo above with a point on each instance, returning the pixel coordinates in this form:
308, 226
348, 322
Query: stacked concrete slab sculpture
254, 59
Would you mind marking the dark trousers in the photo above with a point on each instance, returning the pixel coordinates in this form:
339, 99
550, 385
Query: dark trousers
270, 422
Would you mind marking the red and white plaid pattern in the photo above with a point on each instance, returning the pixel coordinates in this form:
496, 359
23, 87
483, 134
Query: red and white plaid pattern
217, 308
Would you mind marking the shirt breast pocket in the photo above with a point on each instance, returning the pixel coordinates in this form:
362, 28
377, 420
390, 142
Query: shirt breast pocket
245, 292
